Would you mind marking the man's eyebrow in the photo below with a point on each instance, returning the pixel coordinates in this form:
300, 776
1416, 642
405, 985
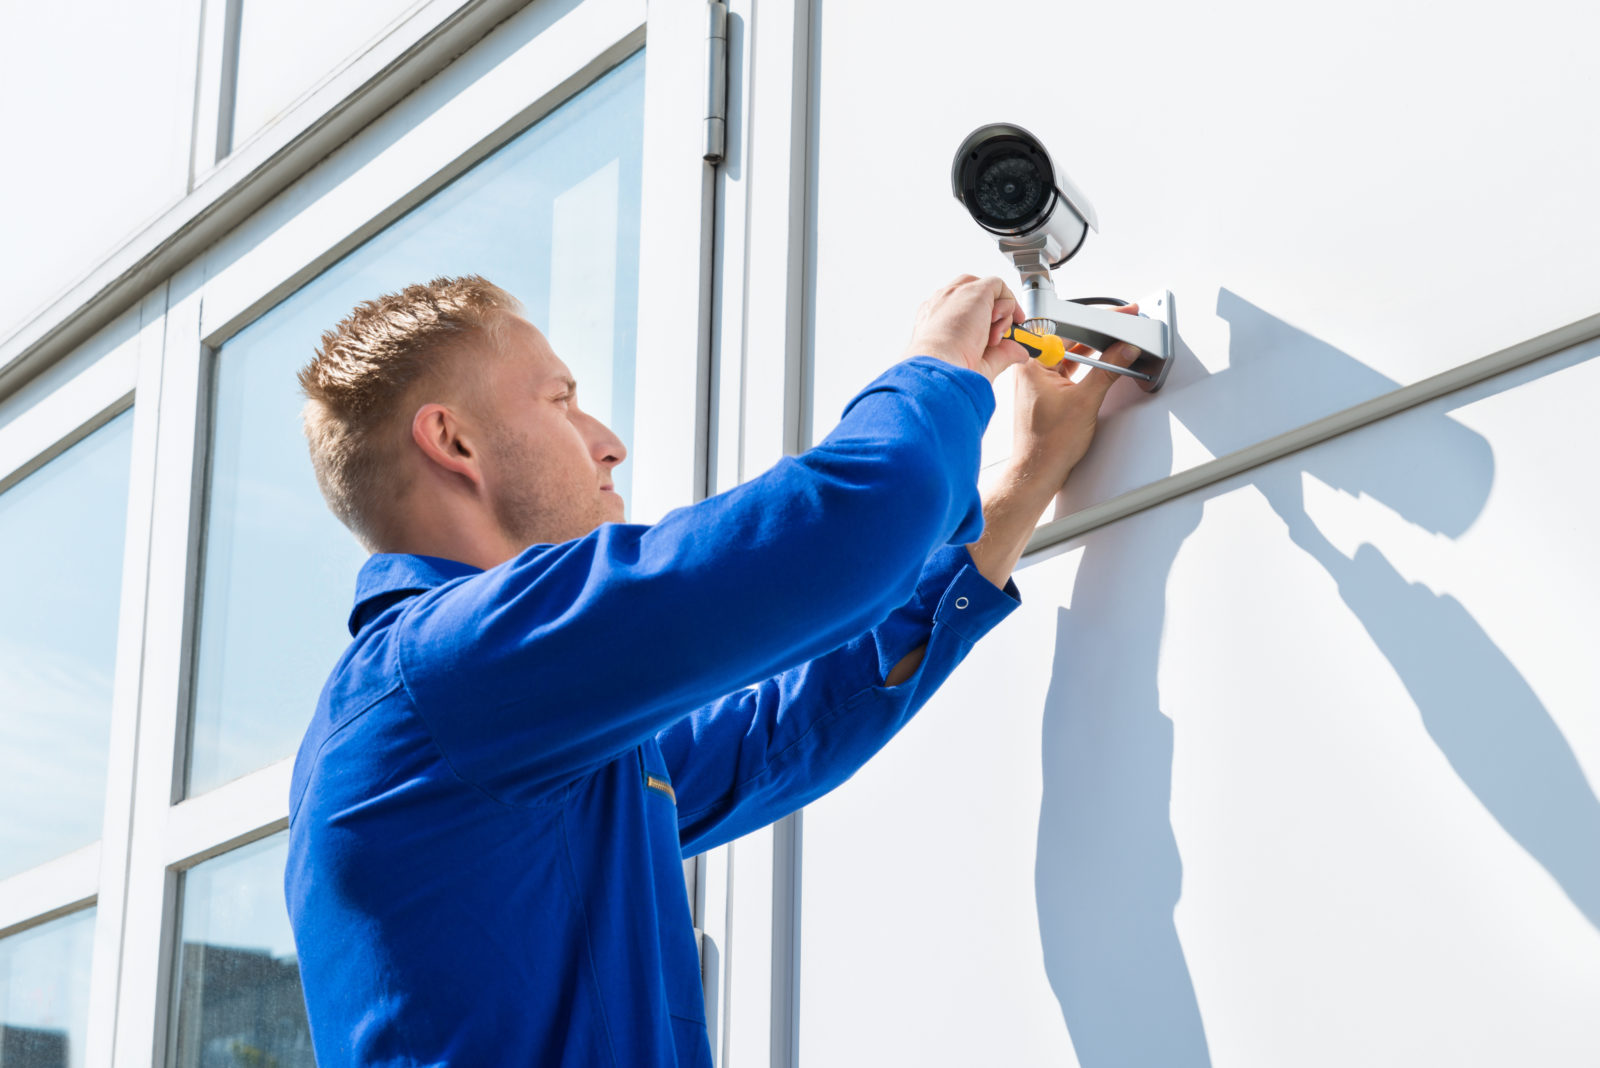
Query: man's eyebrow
568, 381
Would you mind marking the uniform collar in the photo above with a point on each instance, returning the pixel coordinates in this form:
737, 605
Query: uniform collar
389, 577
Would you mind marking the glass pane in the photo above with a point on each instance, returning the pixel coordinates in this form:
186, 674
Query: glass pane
85, 85
61, 539
44, 993
553, 217
238, 983
287, 46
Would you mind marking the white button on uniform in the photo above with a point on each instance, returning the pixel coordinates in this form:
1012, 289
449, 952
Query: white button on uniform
961, 602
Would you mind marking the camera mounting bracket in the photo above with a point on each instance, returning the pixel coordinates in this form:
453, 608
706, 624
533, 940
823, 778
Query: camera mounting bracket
1154, 331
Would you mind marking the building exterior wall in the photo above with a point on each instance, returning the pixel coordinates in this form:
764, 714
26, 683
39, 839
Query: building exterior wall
1291, 753
1299, 766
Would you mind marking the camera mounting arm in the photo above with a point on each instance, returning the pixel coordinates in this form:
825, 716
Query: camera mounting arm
1152, 331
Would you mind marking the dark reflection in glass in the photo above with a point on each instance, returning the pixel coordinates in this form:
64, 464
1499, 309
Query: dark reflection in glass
61, 532
44, 993
238, 984
553, 217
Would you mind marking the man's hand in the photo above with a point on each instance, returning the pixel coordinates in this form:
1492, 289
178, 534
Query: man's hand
962, 324
1054, 423
1056, 417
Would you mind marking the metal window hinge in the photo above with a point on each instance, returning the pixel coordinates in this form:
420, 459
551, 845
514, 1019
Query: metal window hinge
716, 135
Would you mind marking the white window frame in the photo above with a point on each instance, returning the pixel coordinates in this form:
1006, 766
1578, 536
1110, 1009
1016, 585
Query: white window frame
93, 874
537, 60
747, 893
404, 55
277, 236
234, 248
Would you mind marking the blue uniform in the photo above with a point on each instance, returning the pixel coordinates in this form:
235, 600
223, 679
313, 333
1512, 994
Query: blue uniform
490, 809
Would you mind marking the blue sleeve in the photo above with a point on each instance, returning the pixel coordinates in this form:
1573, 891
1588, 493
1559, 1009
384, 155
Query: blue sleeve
538, 670
752, 757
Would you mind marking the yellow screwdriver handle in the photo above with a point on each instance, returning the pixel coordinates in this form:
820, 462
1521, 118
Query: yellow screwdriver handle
1048, 349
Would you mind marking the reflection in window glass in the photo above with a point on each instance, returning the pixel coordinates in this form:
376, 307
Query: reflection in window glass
61, 539
44, 993
288, 46
553, 217
238, 982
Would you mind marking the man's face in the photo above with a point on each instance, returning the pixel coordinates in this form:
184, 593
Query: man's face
548, 466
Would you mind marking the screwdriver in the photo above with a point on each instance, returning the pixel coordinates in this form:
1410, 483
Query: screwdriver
1049, 350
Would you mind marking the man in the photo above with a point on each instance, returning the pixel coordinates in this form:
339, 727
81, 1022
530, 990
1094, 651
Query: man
544, 709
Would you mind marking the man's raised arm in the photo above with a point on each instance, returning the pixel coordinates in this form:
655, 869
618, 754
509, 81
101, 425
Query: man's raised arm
754, 756
720, 594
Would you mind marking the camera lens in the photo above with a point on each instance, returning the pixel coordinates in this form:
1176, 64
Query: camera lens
1005, 180
1010, 188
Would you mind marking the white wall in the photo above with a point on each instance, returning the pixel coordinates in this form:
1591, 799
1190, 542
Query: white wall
1301, 768
1350, 735
1409, 189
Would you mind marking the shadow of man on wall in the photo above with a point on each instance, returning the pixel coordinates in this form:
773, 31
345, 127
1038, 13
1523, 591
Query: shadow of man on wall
1108, 874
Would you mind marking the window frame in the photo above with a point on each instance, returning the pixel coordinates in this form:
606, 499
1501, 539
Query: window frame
91, 876
535, 62
406, 54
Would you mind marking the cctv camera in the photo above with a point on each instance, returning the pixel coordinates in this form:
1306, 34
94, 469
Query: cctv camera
1007, 182
1005, 178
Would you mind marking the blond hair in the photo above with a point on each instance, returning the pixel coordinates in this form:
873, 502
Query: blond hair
363, 373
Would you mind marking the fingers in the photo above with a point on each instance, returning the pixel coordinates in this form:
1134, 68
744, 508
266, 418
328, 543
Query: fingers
997, 330
964, 322
1002, 355
1098, 380
1005, 313
1122, 354
1005, 310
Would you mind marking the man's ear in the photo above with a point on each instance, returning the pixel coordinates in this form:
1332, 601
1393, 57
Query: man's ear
439, 432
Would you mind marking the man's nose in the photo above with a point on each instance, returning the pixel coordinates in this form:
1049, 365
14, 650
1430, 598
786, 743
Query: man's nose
608, 448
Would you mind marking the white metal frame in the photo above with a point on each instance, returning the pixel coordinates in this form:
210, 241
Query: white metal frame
94, 874
747, 892
406, 55
276, 239
69, 414
215, 136
402, 160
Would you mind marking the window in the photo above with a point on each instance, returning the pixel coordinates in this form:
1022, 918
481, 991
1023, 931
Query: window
86, 84
238, 989
553, 217
284, 47
190, 584
44, 993
61, 531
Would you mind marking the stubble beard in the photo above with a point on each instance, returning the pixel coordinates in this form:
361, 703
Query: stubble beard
526, 515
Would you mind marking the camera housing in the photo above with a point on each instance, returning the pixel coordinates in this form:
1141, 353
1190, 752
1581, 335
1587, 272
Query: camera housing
1006, 180
1010, 186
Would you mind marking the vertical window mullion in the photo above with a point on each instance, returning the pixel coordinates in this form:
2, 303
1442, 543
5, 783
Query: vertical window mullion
213, 101
117, 825
149, 907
